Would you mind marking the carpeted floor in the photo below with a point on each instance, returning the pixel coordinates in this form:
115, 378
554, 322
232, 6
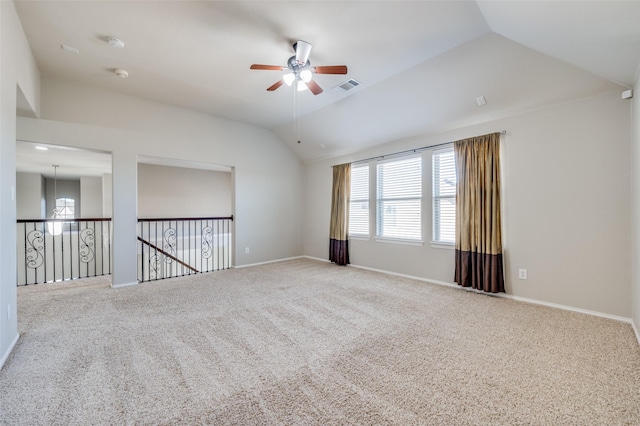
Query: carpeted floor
308, 343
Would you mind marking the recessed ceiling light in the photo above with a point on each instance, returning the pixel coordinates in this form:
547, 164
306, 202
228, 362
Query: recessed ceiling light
115, 42
70, 49
42, 148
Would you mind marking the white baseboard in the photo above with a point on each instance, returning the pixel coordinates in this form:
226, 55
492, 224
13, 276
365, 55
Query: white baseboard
566, 308
413, 277
510, 296
454, 285
124, 284
316, 258
267, 262
9, 350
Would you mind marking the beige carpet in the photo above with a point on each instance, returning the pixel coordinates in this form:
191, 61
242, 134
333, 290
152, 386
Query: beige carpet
308, 343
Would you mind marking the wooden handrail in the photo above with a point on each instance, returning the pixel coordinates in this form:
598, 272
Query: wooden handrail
169, 255
173, 219
77, 219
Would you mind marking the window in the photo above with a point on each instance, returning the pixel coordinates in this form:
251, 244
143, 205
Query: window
359, 201
444, 196
399, 198
65, 208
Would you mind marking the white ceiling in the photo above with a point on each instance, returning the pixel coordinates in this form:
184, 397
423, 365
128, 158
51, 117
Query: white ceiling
72, 162
421, 63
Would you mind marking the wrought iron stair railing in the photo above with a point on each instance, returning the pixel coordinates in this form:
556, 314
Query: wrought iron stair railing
51, 250
172, 247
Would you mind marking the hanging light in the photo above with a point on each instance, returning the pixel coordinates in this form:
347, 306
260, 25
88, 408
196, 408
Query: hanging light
55, 228
288, 78
305, 75
301, 86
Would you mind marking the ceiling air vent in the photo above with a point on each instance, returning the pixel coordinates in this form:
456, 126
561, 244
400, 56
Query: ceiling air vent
347, 85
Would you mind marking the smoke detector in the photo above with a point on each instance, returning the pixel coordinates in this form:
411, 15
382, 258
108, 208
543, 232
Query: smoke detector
121, 73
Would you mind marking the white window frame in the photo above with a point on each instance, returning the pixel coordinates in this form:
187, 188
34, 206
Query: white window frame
358, 199
437, 199
66, 208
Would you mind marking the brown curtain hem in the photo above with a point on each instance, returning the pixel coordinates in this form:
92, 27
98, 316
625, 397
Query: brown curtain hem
479, 271
339, 251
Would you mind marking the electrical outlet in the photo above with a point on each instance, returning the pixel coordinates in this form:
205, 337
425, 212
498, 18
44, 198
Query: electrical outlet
246, 250
522, 274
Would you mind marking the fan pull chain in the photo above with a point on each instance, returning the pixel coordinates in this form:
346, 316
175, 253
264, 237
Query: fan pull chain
296, 114
298, 103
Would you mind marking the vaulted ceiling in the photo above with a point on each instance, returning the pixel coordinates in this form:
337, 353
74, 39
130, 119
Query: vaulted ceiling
421, 64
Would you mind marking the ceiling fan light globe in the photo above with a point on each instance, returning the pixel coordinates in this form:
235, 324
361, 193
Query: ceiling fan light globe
305, 75
288, 78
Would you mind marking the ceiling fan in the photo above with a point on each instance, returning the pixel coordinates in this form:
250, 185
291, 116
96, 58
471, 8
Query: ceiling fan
300, 71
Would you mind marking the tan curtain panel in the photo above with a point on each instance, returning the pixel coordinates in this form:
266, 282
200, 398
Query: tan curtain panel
478, 249
339, 226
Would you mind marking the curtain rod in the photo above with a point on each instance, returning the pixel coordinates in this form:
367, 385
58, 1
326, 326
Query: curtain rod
503, 132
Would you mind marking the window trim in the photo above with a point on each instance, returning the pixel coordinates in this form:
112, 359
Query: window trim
366, 236
436, 242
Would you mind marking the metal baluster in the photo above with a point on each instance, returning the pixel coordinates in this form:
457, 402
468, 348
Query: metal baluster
141, 230
109, 243
26, 277
71, 249
102, 247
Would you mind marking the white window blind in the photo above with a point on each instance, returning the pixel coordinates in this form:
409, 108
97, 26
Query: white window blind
444, 196
359, 201
399, 198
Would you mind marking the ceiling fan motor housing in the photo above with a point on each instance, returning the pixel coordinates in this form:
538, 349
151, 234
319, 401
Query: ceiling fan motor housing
296, 67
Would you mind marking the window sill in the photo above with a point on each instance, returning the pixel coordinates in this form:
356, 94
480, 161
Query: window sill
399, 241
359, 237
446, 246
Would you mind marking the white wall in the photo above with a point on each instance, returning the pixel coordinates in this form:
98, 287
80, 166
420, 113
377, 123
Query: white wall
91, 197
180, 192
30, 196
636, 205
268, 177
17, 67
567, 174
107, 195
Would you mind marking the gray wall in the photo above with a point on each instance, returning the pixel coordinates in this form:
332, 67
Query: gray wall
107, 195
566, 213
30, 196
180, 192
91, 196
267, 180
18, 72
636, 206
66, 188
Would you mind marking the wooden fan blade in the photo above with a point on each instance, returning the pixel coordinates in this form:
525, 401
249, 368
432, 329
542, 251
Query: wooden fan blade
275, 85
266, 67
331, 69
313, 86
